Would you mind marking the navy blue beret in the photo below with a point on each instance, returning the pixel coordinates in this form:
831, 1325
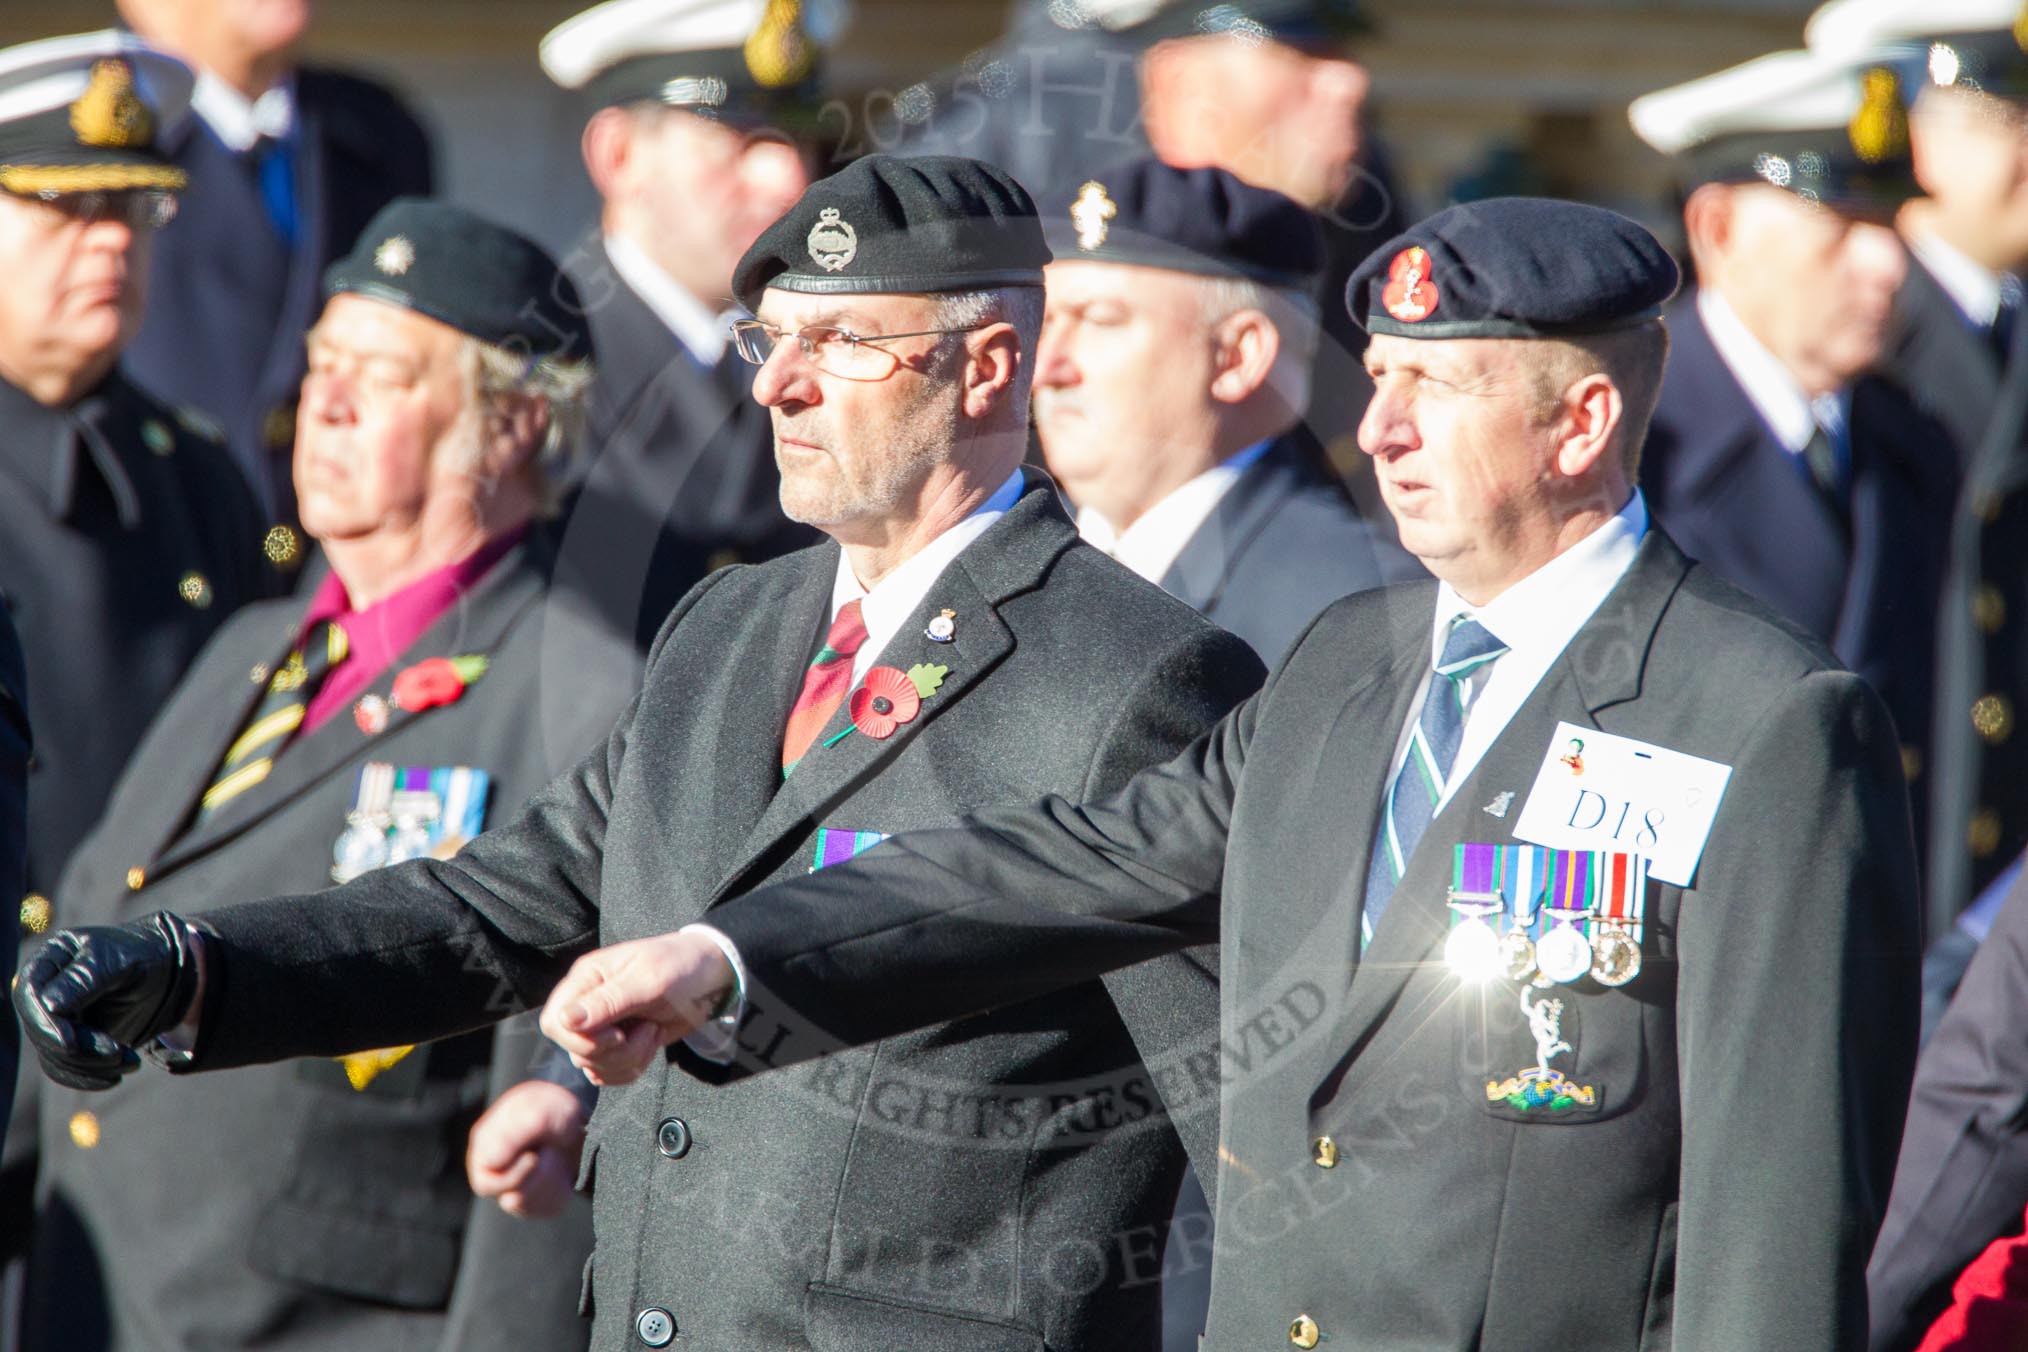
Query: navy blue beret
463, 270
1187, 220
1513, 267
892, 224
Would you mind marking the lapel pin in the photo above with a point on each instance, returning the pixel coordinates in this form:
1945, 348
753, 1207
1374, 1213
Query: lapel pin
1574, 757
943, 628
1498, 807
371, 714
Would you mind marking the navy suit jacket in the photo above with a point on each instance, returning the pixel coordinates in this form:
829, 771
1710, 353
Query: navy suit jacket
1736, 500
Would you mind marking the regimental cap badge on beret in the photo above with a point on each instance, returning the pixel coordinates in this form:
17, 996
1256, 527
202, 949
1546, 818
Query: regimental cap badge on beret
1410, 295
1879, 130
2021, 28
1091, 213
833, 242
109, 113
395, 255
780, 53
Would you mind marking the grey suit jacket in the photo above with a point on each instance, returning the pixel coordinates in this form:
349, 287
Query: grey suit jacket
1725, 1188
994, 1183
1280, 546
282, 1207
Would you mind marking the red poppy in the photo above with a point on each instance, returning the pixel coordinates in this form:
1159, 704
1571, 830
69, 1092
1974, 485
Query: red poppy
885, 700
428, 684
371, 715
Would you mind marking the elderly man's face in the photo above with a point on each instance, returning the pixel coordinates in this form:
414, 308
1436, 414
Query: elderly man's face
1122, 382
706, 190
1461, 447
1971, 157
257, 26
1814, 286
386, 420
75, 286
859, 451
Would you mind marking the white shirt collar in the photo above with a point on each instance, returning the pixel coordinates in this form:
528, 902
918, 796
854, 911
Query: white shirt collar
1973, 287
1150, 546
897, 596
239, 121
702, 330
1774, 393
1539, 615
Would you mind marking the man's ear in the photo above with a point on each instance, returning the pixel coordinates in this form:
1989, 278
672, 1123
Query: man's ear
1246, 345
994, 358
607, 142
514, 428
1591, 414
1708, 222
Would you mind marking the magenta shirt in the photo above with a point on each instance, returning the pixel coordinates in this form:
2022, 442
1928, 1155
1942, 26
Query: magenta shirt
380, 633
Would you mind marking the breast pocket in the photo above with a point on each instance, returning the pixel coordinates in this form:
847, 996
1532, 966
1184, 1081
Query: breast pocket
1560, 1055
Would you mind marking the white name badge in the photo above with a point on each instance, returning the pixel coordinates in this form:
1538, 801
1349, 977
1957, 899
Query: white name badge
1596, 791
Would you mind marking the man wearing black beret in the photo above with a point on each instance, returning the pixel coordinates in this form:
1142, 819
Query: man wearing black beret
996, 1182
401, 708
1175, 365
1567, 904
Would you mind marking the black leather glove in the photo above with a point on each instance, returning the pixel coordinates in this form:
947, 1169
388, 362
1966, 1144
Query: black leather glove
91, 996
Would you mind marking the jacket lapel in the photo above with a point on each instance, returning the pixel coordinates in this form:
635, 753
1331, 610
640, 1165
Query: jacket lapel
1010, 558
474, 627
1199, 573
1601, 667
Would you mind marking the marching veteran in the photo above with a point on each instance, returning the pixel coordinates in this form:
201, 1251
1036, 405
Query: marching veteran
321, 1204
1174, 368
1601, 875
993, 1182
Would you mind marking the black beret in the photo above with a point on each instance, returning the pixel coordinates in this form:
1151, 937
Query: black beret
891, 224
463, 270
1187, 220
1513, 267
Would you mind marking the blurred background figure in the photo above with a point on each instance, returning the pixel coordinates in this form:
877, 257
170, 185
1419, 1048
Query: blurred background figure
1266, 89
1955, 319
321, 1204
126, 538
15, 744
1174, 366
698, 141
1773, 458
1177, 343
287, 162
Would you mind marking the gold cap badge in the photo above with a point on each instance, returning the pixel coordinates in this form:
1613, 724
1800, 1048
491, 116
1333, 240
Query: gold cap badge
109, 113
1090, 214
395, 255
1879, 130
779, 52
2021, 28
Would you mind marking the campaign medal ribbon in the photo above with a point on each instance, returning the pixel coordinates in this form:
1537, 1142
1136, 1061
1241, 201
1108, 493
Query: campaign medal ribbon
1616, 928
1521, 882
1472, 950
1564, 953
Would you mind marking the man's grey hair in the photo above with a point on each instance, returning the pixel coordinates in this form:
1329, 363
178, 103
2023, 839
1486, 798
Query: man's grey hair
1294, 315
1018, 306
563, 384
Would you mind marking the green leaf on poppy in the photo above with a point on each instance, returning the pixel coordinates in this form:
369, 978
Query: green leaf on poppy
927, 678
471, 668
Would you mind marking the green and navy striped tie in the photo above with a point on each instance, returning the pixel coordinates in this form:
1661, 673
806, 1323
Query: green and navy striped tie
1432, 749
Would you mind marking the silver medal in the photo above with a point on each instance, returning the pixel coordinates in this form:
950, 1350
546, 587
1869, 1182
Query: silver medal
1564, 953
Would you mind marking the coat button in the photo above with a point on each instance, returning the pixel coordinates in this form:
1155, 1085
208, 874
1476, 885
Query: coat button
282, 546
135, 877
1983, 836
194, 589
655, 1327
1989, 608
1304, 1332
1993, 718
1324, 1152
672, 1138
84, 1130
1911, 763
34, 913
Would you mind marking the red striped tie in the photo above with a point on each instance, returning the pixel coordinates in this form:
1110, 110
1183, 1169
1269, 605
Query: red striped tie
824, 685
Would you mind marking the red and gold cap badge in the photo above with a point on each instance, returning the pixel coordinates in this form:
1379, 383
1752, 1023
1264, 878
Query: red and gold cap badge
1410, 295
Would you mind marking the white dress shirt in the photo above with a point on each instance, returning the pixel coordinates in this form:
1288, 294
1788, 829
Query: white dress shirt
883, 610
1973, 287
702, 331
1773, 392
239, 121
1536, 618
1149, 547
